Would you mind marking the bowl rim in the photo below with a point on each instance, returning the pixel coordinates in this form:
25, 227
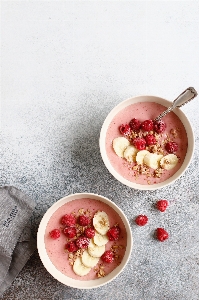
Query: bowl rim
80, 284
182, 117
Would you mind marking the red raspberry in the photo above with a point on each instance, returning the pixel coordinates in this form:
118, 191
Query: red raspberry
171, 147
113, 233
135, 124
68, 220
150, 139
147, 125
141, 220
139, 143
89, 232
108, 256
162, 234
159, 126
55, 234
125, 129
70, 232
71, 246
84, 220
162, 205
82, 242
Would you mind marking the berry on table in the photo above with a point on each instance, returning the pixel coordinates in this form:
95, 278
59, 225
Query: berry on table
150, 139
162, 234
55, 234
125, 129
89, 232
70, 232
113, 233
159, 126
171, 147
139, 143
84, 220
68, 220
147, 125
141, 220
82, 242
108, 256
162, 205
135, 124
71, 246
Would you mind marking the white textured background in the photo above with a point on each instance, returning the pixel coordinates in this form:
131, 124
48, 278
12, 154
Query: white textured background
64, 66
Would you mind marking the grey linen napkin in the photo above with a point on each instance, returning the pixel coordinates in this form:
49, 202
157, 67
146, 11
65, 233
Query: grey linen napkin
16, 241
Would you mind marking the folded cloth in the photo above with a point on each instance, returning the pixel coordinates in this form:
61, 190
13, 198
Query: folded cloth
16, 241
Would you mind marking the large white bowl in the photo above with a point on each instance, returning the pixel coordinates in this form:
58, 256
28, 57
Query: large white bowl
177, 111
55, 272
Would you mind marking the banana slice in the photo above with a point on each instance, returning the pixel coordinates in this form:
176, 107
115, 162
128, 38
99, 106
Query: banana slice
101, 222
119, 145
94, 250
89, 261
152, 160
169, 161
100, 240
130, 153
140, 156
79, 268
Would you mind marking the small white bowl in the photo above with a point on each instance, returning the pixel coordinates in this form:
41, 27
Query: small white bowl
90, 284
182, 117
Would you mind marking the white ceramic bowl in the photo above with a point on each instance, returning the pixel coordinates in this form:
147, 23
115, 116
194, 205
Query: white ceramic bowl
182, 117
55, 272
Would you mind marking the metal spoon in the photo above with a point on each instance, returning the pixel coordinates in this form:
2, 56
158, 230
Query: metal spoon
181, 100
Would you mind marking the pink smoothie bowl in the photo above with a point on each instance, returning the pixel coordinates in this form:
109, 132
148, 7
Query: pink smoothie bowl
57, 274
103, 142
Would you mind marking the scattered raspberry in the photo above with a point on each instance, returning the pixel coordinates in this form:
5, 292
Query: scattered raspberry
150, 139
139, 143
113, 233
162, 234
89, 232
68, 220
82, 242
70, 232
125, 129
135, 124
171, 147
141, 220
84, 220
147, 125
55, 234
159, 126
71, 246
162, 205
108, 256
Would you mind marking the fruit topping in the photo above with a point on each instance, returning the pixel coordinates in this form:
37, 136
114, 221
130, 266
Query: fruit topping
119, 145
130, 153
101, 222
141, 220
108, 256
113, 233
55, 234
125, 129
169, 161
171, 147
68, 220
162, 205
82, 242
162, 234
84, 220
159, 126
135, 124
89, 232
147, 125
71, 246
152, 160
79, 268
94, 250
150, 139
70, 232
139, 143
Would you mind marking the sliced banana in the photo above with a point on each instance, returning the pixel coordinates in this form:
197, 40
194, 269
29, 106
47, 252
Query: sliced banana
101, 222
130, 153
100, 240
169, 161
119, 145
88, 260
140, 156
152, 160
79, 268
94, 250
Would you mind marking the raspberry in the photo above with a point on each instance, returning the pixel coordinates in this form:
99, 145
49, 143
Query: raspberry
147, 125
141, 220
71, 246
159, 126
162, 234
150, 139
89, 232
55, 234
171, 147
84, 220
113, 233
108, 256
162, 205
139, 143
68, 220
70, 232
135, 124
82, 242
125, 129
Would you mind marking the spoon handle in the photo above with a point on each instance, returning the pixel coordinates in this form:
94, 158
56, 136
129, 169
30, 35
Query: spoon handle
181, 100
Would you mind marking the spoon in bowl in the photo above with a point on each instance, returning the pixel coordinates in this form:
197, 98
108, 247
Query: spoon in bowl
181, 100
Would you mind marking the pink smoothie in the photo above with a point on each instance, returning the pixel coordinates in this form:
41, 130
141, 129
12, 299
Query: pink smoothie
145, 111
55, 248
